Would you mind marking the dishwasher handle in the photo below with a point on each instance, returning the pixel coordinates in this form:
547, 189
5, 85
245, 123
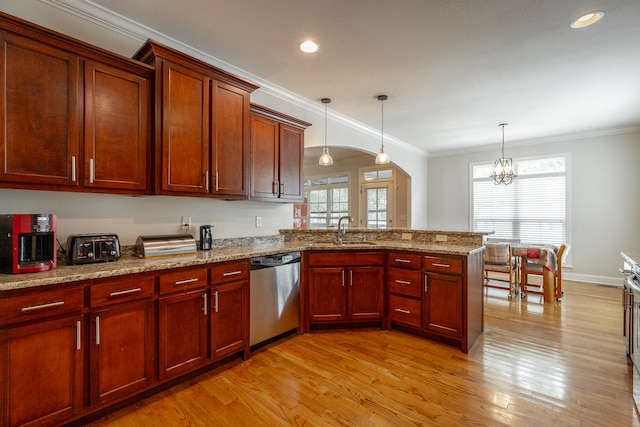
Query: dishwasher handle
268, 261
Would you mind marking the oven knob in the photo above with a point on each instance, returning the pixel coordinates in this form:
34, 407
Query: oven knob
113, 253
90, 255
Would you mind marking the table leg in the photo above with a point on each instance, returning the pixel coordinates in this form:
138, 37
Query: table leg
548, 281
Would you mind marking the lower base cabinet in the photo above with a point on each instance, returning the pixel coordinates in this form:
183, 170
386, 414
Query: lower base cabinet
229, 318
41, 372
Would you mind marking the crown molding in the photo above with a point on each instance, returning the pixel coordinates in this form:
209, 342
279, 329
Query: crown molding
129, 28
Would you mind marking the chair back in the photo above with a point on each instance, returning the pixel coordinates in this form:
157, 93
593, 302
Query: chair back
497, 253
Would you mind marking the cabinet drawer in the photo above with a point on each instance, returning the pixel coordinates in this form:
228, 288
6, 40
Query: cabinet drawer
123, 290
403, 260
405, 282
229, 271
39, 305
405, 310
182, 280
442, 264
345, 258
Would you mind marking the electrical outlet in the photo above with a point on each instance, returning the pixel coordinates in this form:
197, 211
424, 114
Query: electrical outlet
185, 222
406, 236
441, 238
258, 221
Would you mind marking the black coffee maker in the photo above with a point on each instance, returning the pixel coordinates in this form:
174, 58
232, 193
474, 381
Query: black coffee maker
206, 237
27, 243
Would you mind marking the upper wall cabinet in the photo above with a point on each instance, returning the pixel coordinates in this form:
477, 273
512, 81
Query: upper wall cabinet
277, 155
72, 116
202, 126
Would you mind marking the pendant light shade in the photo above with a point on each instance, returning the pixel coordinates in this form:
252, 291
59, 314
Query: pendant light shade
503, 172
325, 159
382, 158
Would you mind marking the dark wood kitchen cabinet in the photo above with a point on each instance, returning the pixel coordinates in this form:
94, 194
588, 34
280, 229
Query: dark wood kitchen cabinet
183, 316
202, 126
345, 287
404, 284
122, 338
230, 309
73, 117
277, 156
42, 360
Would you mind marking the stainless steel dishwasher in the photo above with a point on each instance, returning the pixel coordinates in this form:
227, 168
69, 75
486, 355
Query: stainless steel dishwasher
275, 297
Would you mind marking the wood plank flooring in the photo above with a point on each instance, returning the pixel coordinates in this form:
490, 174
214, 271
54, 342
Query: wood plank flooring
555, 364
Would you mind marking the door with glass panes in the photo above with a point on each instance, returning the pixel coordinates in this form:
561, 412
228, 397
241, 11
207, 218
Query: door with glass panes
378, 205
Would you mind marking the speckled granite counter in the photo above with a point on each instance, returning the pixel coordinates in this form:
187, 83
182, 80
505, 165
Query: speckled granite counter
128, 264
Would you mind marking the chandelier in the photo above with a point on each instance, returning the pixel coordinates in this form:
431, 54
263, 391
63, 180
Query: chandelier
503, 172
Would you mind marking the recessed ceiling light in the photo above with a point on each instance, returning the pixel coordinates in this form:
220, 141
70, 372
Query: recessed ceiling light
308, 46
587, 19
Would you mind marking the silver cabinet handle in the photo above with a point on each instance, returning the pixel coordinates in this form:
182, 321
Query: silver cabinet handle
92, 171
351, 278
206, 180
402, 310
273, 187
426, 283
73, 168
78, 335
217, 186
281, 189
216, 301
125, 292
97, 330
231, 273
41, 306
403, 282
184, 282
406, 261
441, 265
204, 307
343, 278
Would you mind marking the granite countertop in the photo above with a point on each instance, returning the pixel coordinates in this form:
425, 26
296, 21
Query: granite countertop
129, 264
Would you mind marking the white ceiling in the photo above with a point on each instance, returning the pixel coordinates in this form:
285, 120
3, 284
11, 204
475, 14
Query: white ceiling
453, 69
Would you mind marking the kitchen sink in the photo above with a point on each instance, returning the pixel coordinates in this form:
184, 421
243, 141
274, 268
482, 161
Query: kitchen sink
344, 243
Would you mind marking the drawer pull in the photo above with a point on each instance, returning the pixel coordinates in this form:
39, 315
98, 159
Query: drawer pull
403, 311
125, 292
403, 260
184, 282
403, 282
441, 265
231, 273
41, 306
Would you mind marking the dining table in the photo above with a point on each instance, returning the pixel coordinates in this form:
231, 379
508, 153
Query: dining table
545, 255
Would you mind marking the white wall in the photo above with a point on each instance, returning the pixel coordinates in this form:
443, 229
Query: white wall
605, 203
130, 217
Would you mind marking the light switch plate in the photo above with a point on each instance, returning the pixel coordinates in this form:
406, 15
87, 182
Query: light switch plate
258, 221
441, 237
406, 236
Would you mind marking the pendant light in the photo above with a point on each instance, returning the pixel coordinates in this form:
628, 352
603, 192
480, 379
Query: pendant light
325, 159
382, 158
503, 172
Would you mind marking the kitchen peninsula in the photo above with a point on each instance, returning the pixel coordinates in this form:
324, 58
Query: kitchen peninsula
170, 313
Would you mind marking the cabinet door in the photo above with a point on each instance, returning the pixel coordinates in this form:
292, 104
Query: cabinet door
229, 318
122, 351
442, 304
41, 369
117, 128
291, 151
182, 332
39, 113
264, 157
230, 140
185, 130
327, 294
366, 293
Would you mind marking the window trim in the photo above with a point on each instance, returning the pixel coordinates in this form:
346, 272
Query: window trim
347, 185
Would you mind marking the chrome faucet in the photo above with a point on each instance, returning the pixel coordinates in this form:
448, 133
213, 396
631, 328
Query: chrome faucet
344, 231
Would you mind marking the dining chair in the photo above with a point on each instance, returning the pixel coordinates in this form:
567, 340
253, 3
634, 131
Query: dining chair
499, 259
528, 267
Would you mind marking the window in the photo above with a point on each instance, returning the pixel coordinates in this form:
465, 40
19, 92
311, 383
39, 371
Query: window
327, 200
533, 208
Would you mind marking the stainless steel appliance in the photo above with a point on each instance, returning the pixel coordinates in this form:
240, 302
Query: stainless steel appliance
274, 297
165, 245
90, 248
631, 304
27, 243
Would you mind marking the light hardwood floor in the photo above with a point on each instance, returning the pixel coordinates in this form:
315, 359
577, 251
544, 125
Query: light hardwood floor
555, 364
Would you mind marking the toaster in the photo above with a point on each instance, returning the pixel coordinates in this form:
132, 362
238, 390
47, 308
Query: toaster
90, 248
